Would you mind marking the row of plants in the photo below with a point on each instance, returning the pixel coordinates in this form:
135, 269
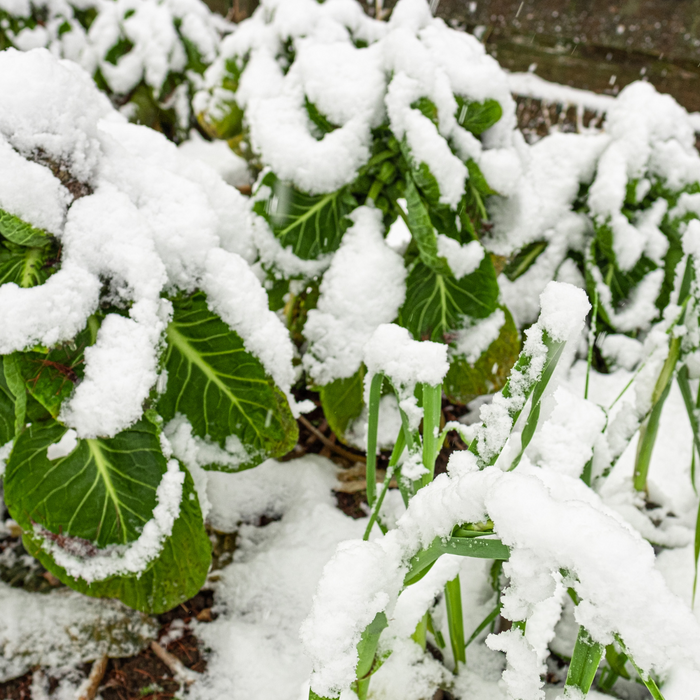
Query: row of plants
148, 57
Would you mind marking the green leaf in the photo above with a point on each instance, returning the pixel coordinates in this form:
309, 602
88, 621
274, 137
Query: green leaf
479, 547
21, 233
25, 267
465, 381
584, 662
422, 230
176, 575
15, 384
367, 646
342, 401
436, 304
521, 262
322, 124
477, 116
51, 376
7, 408
421, 176
310, 225
221, 388
102, 494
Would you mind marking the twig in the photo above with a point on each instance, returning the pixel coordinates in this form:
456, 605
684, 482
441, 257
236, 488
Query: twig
328, 443
180, 672
88, 688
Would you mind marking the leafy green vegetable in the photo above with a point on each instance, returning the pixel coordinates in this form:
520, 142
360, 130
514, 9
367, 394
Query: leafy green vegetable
7, 408
436, 303
342, 401
464, 381
176, 575
477, 116
25, 267
51, 376
20, 232
221, 388
310, 225
99, 495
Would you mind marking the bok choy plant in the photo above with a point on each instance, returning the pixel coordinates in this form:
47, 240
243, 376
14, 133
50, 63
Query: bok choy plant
137, 346
375, 143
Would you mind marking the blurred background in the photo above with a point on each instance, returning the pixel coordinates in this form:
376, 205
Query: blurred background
597, 45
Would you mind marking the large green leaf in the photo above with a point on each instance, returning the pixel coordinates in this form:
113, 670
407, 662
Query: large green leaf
25, 266
465, 381
102, 494
436, 304
310, 225
342, 401
7, 408
176, 575
221, 388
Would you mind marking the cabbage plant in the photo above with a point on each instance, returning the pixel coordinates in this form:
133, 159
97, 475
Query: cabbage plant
137, 344
147, 55
376, 144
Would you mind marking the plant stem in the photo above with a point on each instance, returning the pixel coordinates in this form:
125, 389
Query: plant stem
591, 342
395, 455
584, 662
455, 620
375, 394
432, 404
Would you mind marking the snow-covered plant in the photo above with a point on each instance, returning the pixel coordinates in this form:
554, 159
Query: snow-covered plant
135, 339
378, 145
603, 206
147, 55
550, 535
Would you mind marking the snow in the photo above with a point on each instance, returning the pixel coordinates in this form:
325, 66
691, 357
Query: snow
64, 446
462, 259
355, 89
217, 155
476, 338
62, 629
156, 222
362, 289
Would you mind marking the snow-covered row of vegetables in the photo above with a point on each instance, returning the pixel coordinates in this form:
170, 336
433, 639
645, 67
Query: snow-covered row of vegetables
400, 235
147, 55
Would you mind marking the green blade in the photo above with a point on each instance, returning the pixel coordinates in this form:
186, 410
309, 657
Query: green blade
584, 662
455, 620
478, 547
222, 389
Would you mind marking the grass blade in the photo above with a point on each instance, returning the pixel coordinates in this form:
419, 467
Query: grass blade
396, 453
375, 394
484, 623
432, 406
455, 620
584, 662
647, 439
479, 547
